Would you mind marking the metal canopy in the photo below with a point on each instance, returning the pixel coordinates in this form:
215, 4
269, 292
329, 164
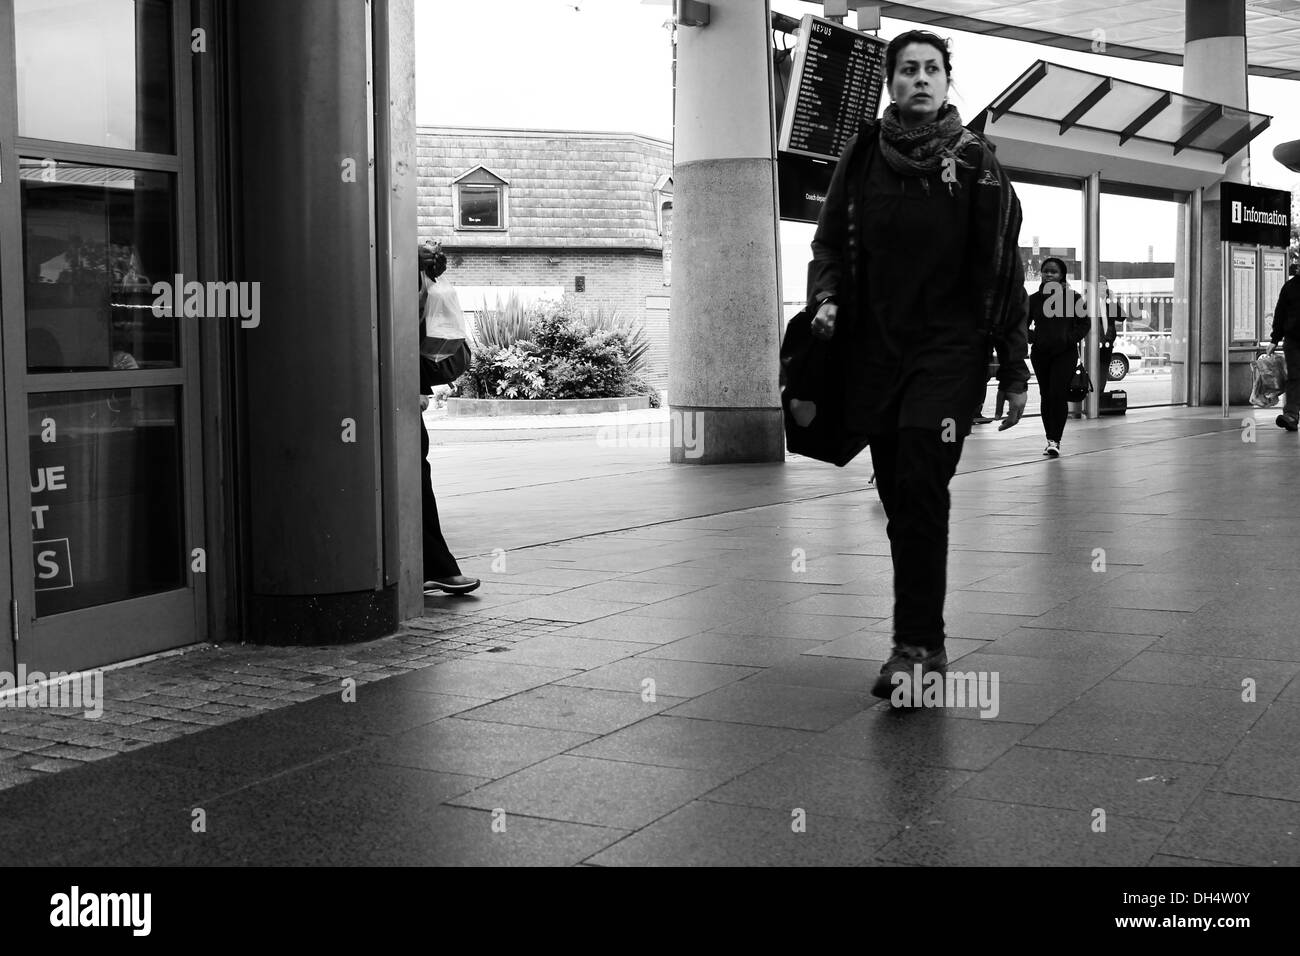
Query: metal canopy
1150, 30
1064, 120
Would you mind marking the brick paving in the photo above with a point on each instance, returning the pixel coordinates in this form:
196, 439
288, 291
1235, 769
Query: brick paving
209, 685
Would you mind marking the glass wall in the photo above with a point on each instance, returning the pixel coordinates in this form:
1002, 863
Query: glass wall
1053, 227
1146, 295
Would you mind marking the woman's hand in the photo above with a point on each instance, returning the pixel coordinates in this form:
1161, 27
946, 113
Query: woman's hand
823, 323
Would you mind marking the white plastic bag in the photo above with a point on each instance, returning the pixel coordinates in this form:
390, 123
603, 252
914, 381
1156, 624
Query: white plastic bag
1270, 380
443, 318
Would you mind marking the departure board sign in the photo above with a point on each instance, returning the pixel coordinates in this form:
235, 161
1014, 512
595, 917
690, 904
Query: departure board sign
836, 83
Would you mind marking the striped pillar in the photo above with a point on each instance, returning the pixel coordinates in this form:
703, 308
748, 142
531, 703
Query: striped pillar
1214, 68
725, 331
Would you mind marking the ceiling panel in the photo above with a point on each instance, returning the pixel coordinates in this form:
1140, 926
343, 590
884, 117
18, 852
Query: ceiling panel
1272, 26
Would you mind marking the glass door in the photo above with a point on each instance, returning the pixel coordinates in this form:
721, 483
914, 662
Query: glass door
100, 382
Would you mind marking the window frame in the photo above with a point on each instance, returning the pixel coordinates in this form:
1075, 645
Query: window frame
481, 179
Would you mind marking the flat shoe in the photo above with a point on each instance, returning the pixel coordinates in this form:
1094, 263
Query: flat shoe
456, 584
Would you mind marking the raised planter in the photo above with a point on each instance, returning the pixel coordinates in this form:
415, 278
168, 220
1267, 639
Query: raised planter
512, 407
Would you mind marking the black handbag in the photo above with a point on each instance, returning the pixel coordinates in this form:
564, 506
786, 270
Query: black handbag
1080, 384
812, 396
442, 361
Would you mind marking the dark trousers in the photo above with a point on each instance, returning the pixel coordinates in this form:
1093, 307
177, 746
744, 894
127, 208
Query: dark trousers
913, 468
1102, 378
438, 560
1054, 373
1292, 355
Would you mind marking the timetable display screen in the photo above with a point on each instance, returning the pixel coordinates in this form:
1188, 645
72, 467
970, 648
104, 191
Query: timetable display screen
836, 83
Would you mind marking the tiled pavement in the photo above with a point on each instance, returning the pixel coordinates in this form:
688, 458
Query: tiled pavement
679, 678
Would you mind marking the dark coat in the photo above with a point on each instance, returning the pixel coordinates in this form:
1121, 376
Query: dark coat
1286, 316
918, 340
1065, 326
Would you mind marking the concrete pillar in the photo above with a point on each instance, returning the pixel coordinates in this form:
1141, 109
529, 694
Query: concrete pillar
307, 232
1096, 304
1214, 68
726, 325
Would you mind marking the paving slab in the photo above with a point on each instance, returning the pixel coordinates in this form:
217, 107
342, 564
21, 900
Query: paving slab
883, 792
581, 709
473, 747
609, 793
685, 679
965, 832
711, 834
724, 749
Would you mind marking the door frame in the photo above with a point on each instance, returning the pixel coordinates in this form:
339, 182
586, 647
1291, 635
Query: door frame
115, 632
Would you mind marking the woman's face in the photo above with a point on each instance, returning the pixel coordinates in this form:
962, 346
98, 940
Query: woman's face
920, 83
1052, 272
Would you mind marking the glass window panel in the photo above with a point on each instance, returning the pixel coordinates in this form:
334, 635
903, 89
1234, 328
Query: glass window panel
107, 519
95, 239
480, 207
1056, 94
1232, 123
1145, 268
1177, 119
1121, 106
96, 72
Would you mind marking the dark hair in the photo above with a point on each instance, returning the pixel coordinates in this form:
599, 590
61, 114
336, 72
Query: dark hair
433, 261
1065, 273
897, 44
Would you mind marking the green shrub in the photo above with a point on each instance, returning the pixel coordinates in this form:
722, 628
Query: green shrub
610, 319
639, 386
518, 372
501, 327
555, 350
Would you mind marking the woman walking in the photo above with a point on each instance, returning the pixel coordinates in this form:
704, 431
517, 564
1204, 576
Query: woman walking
916, 267
1058, 321
441, 572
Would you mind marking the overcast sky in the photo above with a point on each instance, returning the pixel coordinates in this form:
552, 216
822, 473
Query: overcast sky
607, 65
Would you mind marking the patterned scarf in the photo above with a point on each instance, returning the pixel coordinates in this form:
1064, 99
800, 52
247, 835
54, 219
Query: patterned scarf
923, 150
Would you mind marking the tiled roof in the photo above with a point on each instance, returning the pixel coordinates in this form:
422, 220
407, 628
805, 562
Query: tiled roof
567, 189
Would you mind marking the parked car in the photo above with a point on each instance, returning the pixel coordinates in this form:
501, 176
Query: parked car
1137, 344
1124, 358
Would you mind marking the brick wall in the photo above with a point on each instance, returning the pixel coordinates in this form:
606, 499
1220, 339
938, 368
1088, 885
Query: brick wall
618, 278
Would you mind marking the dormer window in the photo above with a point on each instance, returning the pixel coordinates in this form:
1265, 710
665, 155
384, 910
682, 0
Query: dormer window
663, 202
480, 198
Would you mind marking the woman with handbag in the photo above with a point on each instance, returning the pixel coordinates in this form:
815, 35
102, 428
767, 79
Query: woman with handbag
441, 572
916, 268
1058, 322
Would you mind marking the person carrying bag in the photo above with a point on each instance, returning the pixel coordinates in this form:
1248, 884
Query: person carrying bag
444, 337
1080, 383
440, 315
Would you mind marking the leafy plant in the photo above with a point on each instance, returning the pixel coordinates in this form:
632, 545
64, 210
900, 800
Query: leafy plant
503, 326
518, 372
607, 318
555, 350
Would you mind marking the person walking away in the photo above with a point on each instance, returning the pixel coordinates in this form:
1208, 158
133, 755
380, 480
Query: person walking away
441, 572
1058, 322
1286, 332
915, 266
